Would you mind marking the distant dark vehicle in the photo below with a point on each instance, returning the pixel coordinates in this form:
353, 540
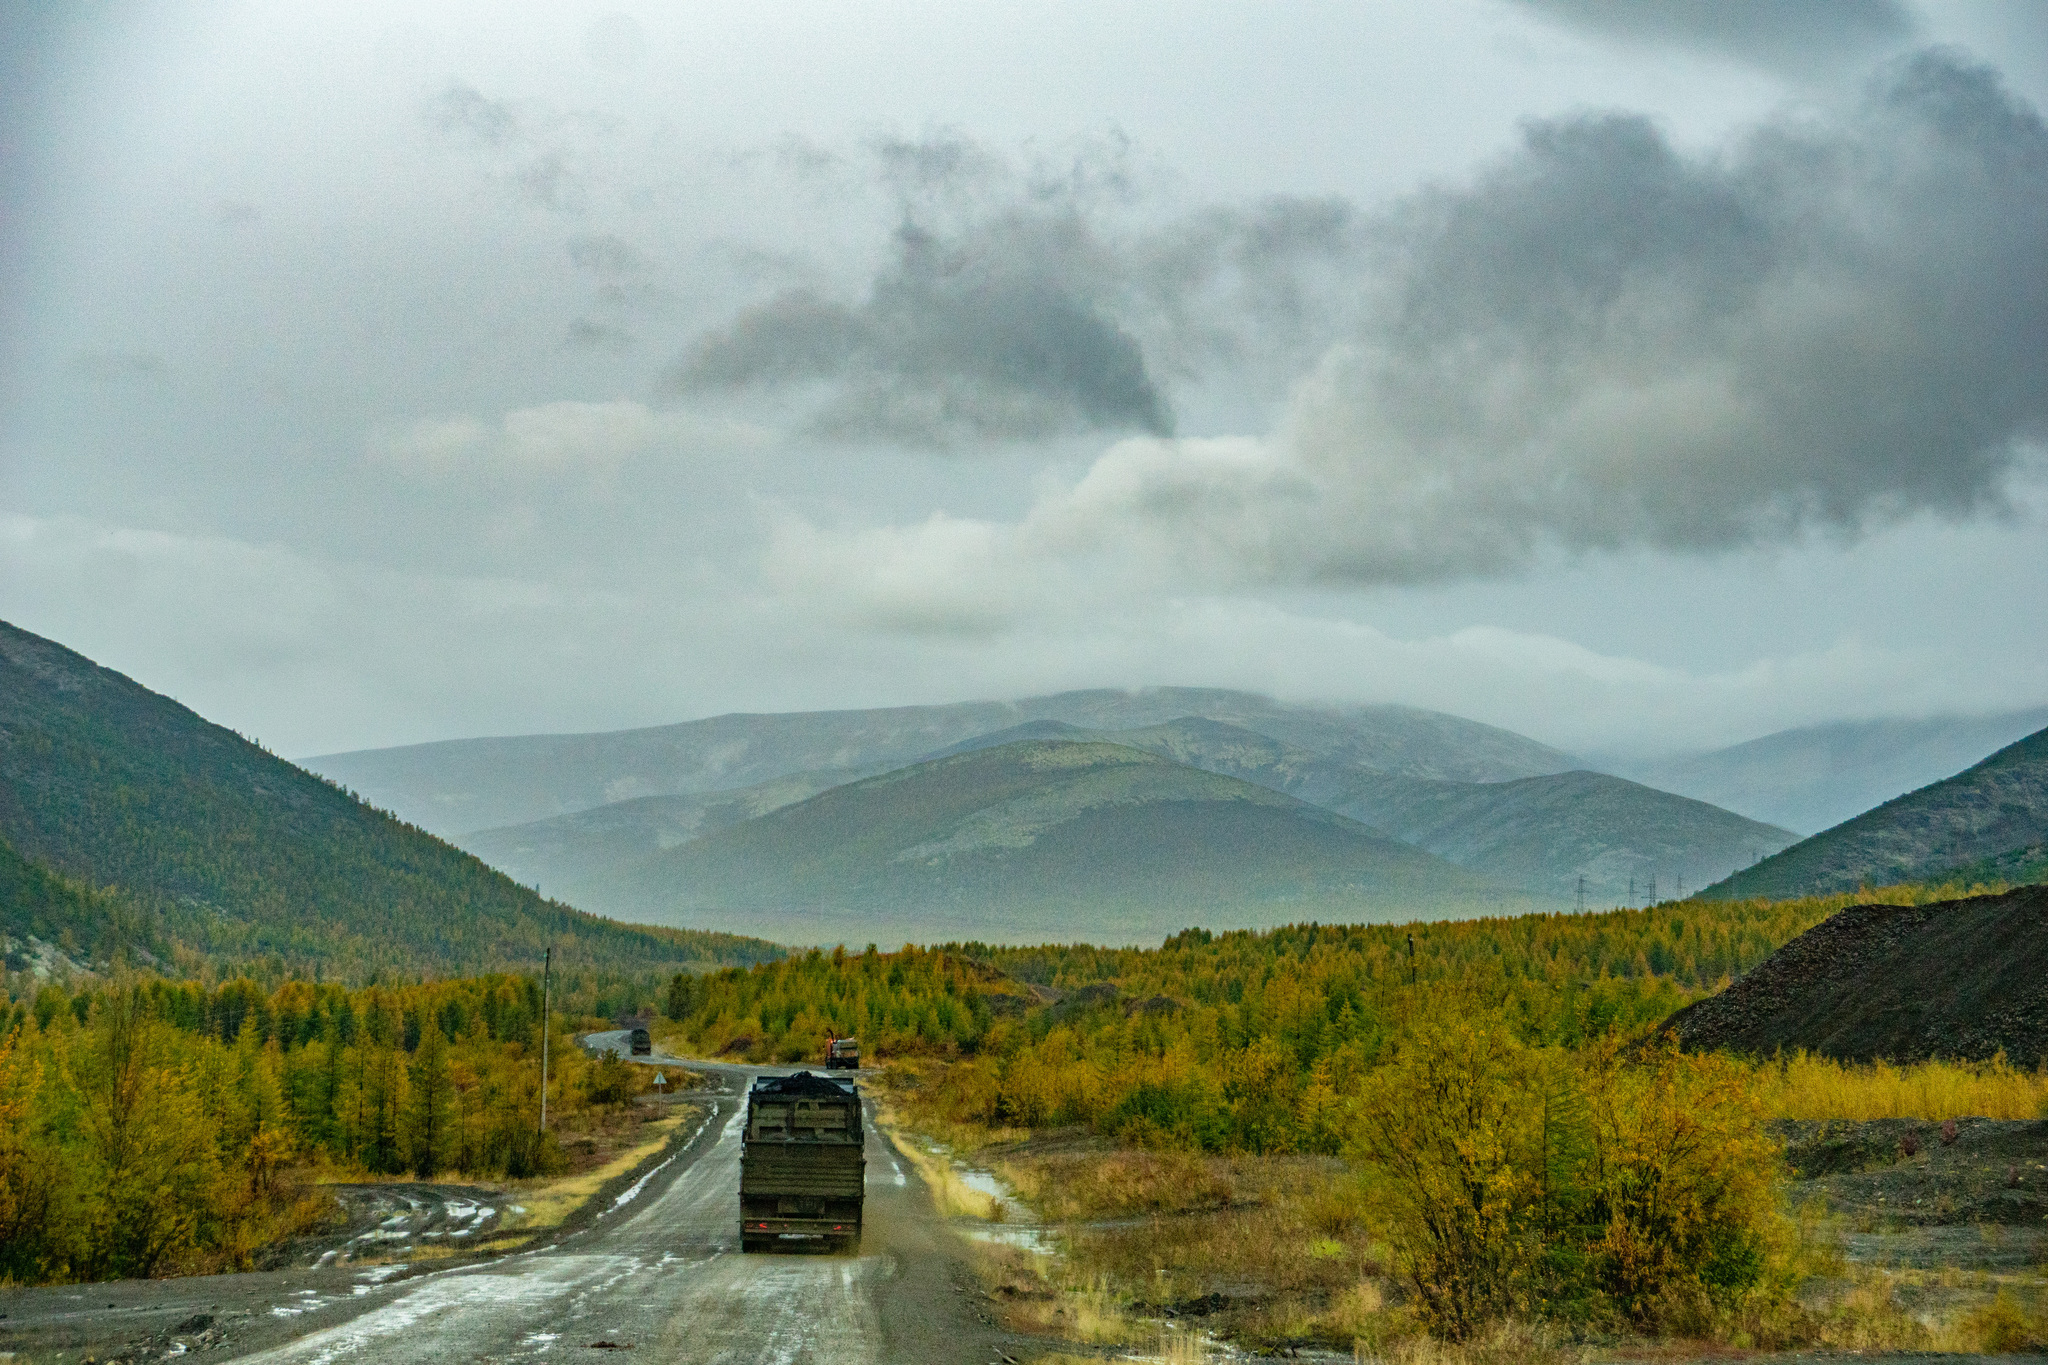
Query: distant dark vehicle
842, 1054
643, 1043
802, 1172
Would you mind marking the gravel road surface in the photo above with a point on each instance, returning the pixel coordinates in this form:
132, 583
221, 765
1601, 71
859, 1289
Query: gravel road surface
659, 1273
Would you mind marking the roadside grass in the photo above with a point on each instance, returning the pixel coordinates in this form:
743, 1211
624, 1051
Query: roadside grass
1036, 1294
1274, 1252
1505, 1343
549, 1203
1803, 1086
1269, 1251
1180, 1347
1079, 1187
1272, 1249
1944, 1310
953, 1195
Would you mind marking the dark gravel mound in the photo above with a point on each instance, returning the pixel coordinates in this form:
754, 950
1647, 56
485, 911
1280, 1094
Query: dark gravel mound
1963, 979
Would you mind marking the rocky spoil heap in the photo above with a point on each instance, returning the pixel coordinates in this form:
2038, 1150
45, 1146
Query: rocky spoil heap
1963, 979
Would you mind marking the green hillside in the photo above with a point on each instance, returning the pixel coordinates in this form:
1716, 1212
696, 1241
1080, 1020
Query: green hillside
1815, 777
577, 856
1993, 816
240, 855
1544, 833
1540, 834
1042, 840
78, 919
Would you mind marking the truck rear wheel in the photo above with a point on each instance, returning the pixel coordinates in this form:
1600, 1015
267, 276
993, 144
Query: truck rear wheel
754, 1244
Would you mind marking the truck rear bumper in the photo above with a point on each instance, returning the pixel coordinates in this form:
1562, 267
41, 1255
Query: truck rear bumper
799, 1228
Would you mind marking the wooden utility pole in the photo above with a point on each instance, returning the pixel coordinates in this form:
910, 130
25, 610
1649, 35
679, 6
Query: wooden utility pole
546, 981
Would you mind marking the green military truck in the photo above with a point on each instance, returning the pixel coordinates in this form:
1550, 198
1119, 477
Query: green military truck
802, 1172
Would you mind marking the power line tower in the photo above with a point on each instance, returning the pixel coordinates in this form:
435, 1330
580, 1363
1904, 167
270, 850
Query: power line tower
1653, 889
1582, 893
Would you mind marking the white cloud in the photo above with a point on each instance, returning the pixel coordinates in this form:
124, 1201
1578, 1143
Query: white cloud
566, 437
943, 576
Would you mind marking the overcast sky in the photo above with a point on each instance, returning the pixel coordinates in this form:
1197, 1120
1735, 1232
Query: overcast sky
1640, 378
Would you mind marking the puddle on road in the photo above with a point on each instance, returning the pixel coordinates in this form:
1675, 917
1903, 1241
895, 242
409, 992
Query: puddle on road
1006, 1230
984, 1182
1036, 1240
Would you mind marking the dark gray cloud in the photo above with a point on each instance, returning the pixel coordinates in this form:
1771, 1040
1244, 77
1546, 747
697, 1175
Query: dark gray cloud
1016, 303
1614, 342
536, 153
466, 110
1771, 33
999, 332
1604, 343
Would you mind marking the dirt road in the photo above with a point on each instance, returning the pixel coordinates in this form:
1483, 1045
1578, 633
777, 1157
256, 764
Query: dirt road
660, 1272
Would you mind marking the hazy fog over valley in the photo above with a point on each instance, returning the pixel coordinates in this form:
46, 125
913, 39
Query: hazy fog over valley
1643, 384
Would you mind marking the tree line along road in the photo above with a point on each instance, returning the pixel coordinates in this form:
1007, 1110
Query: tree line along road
659, 1270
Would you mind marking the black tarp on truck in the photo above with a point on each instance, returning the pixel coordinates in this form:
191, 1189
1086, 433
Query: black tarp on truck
802, 1171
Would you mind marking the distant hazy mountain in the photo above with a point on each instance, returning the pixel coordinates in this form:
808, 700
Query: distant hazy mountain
236, 853
1540, 834
473, 784
1985, 814
1814, 778
1544, 833
1043, 840
575, 857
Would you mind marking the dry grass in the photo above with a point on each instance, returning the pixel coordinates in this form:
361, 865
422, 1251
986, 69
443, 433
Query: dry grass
954, 1196
2004, 1326
1506, 1343
1808, 1087
1981, 1313
1037, 1294
1084, 1188
548, 1204
1288, 1226
1179, 1347
1272, 1248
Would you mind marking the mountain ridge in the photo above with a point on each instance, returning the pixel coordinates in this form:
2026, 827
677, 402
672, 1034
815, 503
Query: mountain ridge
453, 787
1042, 839
1988, 810
1618, 835
1813, 777
239, 854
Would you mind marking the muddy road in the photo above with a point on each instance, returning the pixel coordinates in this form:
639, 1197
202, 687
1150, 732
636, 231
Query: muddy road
659, 1272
